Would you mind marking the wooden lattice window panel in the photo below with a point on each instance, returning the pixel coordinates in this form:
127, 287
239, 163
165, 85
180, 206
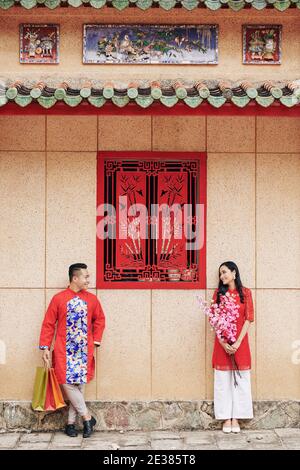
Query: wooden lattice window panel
140, 244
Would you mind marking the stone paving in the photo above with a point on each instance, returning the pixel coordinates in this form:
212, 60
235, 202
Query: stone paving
284, 438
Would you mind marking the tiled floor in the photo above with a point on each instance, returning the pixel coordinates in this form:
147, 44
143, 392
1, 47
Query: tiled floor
285, 438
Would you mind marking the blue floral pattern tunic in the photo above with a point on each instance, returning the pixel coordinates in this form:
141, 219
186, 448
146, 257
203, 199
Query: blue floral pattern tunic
76, 341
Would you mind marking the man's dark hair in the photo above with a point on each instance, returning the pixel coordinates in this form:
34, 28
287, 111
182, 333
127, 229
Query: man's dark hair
74, 268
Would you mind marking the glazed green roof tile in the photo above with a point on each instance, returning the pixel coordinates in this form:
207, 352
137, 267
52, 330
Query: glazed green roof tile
234, 5
145, 94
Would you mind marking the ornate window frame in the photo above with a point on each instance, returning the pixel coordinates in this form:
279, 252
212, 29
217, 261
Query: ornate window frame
147, 178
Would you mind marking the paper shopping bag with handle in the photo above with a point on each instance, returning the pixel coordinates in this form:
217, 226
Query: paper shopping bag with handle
40, 388
47, 394
54, 398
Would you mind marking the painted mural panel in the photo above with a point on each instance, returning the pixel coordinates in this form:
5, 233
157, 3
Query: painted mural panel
150, 44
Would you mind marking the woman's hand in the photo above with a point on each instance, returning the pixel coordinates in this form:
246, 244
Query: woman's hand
236, 345
227, 348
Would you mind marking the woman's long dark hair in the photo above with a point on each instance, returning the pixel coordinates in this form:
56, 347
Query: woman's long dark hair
223, 288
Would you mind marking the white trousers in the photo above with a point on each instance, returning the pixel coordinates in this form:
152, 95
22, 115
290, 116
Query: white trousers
230, 401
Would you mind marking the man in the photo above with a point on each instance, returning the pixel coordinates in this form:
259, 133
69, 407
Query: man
80, 322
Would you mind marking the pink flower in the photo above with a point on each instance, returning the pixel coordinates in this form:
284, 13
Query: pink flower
222, 317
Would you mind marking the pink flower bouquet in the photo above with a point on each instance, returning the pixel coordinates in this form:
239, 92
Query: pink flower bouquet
222, 318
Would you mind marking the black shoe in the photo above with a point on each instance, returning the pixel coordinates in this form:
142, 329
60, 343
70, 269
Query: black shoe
71, 431
88, 427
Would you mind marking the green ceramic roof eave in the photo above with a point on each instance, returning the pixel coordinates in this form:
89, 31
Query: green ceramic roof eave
235, 5
144, 94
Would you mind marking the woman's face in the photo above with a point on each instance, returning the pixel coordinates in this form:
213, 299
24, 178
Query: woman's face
226, 275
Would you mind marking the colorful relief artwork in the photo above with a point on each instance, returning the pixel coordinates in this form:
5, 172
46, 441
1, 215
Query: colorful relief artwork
39, 44
150, 44
262, 44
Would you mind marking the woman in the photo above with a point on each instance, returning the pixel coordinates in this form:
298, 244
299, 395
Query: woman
231, 402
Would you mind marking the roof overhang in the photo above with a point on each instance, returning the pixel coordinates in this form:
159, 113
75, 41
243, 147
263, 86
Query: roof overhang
193, 97
235, 5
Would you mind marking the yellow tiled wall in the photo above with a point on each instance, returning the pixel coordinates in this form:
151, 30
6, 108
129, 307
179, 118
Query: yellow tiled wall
157, 344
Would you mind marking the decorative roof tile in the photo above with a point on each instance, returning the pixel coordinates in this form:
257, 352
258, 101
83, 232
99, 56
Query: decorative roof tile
235, 5
145, 93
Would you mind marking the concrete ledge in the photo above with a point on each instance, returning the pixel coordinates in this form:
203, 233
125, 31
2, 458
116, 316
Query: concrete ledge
148, 416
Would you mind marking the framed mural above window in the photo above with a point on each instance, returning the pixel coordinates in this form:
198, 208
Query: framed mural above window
151, 220
262, 44
150, 44
39, 44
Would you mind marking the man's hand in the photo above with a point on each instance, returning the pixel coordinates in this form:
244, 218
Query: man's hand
46, 358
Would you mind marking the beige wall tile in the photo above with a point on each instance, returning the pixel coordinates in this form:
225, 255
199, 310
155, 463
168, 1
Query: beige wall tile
72, 133
280, 134
22, 133
21, 313
178, 345
71, 214
230, 134
22, 214
278, 327
128, 133
179, 133
124, 359
278, 221
231, 215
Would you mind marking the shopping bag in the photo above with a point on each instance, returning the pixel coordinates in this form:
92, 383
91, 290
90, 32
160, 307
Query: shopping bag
56, 401
47, 395
49, 400
40, 389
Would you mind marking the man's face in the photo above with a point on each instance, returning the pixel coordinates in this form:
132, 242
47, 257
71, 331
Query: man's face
82, 279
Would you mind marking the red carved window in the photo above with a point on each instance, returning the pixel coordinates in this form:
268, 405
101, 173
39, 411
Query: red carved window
151, 220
